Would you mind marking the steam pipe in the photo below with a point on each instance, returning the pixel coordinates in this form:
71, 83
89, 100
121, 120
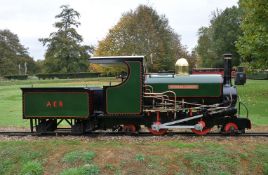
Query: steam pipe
227, 78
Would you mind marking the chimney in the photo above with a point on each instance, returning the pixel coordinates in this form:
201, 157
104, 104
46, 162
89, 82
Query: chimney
227, 78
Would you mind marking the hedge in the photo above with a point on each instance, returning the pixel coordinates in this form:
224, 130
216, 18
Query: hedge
16, 77
258, 75
68, 75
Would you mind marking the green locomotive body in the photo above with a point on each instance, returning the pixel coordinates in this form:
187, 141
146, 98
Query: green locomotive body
56, 103
205, 89
126, 98
157, 101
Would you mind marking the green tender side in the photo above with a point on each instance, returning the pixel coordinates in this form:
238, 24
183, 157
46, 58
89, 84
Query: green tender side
56, 104
126, 98
208, 85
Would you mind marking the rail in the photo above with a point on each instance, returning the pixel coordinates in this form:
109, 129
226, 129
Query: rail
139, 134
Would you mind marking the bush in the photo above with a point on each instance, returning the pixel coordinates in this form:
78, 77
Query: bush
16, 77
265, 168
88, 169
68, 75
91, 169
139, 157
32, 168
258, 75
77, 156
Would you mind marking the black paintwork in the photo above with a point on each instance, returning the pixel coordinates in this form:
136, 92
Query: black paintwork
240, 78
114, 59
98, 120
57, 89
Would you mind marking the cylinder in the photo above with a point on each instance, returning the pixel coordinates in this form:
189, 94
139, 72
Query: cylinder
227, 78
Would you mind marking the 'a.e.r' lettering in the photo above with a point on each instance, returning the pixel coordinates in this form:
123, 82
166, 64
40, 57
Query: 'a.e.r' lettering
54, 104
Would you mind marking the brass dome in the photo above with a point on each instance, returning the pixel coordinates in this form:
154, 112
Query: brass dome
182, 67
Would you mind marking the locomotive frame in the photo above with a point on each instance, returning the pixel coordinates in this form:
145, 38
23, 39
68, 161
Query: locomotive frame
134, 102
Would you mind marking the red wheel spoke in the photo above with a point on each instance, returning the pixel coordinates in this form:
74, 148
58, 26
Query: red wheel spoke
130, 128
158, 133
204, 131
230, 127
201, 132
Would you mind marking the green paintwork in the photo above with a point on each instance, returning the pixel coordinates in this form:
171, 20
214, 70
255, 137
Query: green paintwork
209, 85
126, 97
56, 104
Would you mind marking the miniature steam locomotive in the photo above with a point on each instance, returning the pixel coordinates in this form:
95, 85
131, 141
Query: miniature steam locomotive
160, 102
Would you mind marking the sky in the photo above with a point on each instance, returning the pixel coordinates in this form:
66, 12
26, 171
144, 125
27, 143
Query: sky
34, 19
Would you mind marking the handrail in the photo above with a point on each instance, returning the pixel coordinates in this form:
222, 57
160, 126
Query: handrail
239, 105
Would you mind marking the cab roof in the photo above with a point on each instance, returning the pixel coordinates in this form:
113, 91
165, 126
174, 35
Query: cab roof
114, 59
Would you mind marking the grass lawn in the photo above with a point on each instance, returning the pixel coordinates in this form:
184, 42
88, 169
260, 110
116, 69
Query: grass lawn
254, 94
130, 155
11, 96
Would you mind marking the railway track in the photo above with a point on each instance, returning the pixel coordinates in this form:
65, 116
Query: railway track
140, 134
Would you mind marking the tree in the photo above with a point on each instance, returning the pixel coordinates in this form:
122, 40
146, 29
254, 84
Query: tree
220, 37
204, 48
40, 66
144, 32
253, 44
13, 54
192, 59
65, 53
